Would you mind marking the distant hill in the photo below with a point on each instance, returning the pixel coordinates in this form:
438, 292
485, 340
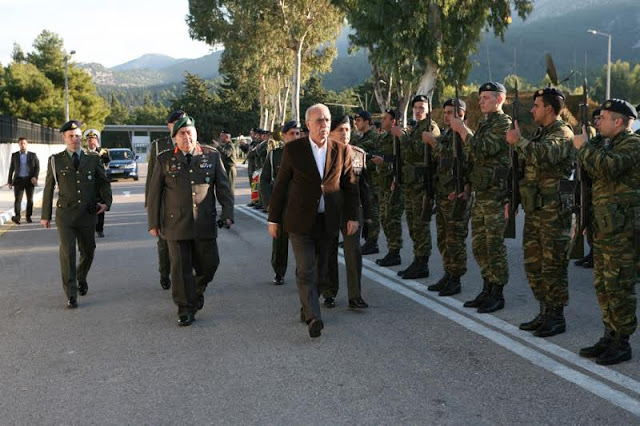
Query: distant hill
149, 61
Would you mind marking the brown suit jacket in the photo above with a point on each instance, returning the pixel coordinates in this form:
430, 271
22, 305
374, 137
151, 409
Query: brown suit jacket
298, 188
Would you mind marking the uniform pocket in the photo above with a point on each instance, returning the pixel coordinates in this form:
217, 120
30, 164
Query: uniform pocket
609, 219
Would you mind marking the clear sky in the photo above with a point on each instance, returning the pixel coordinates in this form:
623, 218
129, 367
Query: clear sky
109, 32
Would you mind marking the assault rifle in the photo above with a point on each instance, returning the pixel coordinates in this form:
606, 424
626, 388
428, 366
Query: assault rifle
459, 206
514, 175
397, 171
427, 204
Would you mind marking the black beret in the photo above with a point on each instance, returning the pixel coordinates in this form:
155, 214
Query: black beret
492, 86
70, 125
621, 107
339, 121
185, 121
392, 112
548, 91
175, 115
365, 115
419, 98
293, 124
225, 131
595, 113
451, 102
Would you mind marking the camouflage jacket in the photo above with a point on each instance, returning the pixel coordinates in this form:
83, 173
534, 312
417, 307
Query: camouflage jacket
413, 150
614, 169
488, 151
369, 143
443, 160
384, 172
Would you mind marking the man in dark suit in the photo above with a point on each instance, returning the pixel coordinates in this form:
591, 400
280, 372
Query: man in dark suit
181, 206
23, 177
317, 189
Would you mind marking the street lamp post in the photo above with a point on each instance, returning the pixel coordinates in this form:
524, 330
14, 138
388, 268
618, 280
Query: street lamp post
594, 32
66, 84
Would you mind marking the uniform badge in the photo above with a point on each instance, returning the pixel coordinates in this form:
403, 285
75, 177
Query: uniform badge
607, 104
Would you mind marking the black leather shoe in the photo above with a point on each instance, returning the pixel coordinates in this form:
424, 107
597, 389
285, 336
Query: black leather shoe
200, 303
185, 319
357, 303
100, 234
315, 326
15, 219
329, 302
596, 350
370, 248
453, 286
440, 284
29, 219
83, 288
72, 303
258, 206
165, 283
391, 259
278, 280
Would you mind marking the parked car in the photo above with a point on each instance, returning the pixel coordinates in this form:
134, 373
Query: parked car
123, 164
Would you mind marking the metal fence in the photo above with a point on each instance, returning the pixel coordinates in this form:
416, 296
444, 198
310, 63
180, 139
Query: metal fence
13, 128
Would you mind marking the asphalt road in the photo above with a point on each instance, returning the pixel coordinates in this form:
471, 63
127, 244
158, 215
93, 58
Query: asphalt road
411, 358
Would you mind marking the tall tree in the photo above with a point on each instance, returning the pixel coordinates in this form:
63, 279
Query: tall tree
118, 113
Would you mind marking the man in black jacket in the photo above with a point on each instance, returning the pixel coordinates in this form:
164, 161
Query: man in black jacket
23, 177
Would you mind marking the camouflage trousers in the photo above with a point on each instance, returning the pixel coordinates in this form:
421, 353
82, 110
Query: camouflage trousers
452, 235
419, 229
615, 276
391, 217
374, 226
545, 241
487, 241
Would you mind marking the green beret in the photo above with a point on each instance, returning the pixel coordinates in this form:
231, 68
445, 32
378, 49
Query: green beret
621, 107
492, 86
70, 125
548, 91
185, 121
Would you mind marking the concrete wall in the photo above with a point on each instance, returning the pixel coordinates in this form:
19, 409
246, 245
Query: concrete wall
42, 151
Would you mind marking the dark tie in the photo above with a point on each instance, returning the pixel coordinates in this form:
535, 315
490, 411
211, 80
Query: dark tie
188, 157
76, 160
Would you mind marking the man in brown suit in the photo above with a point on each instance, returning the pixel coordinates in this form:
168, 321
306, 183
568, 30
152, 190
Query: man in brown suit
317, 186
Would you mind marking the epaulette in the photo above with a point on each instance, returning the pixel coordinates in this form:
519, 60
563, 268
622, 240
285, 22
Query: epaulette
87, 152
358, 149
163, 151
208, 148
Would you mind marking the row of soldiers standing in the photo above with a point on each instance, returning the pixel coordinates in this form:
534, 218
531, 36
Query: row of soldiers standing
546, 159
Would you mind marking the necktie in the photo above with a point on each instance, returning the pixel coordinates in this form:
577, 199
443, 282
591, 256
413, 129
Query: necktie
76, 160
188, 157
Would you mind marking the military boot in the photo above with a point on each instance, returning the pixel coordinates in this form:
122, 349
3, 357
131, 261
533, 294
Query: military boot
553, 322
440, 284
408, 269
536, 322
452, 287
480, 298
391, 259
619, 350
421, 269
370, 248
600, 347
493, 302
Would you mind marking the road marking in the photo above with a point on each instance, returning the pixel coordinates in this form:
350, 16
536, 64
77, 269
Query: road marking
410, 289
127, 193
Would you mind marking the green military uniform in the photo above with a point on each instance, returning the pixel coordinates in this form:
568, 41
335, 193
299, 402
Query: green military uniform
229, 157
164, 264
182, 204
78, 190
548, 158
280, 245
451, 230
390, 213
369, 143
616, 205
488, 152
414, 192
251, 159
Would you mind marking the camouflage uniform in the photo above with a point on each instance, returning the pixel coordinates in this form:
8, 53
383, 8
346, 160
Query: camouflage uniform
487, 151
547, 158
390, 213
369, 143
228, 156
414, 190
452, 232
616, 206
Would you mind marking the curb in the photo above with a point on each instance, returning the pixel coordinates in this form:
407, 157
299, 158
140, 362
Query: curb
7, 214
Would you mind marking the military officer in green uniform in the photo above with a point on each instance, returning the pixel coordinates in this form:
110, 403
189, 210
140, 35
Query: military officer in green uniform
452, 217
182, 207
280, 246
414, 169
229, 157
391, 200
616, 234
368, 141
81, 180
261, 155
251, 157
487, 152
157, 146
92, 138
547, 159
341, 133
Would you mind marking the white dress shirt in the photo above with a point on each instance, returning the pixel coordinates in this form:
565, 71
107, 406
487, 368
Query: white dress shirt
320, 155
